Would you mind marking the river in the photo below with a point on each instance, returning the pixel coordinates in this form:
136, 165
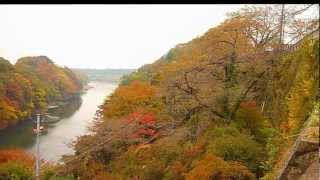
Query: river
76, 117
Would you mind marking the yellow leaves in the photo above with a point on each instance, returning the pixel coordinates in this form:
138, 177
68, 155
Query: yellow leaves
128, 98
304, 85
178, 168
8, 114
213, 167
136, 90
142, 148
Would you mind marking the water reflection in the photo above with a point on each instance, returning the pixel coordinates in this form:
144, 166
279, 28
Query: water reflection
68, 109
75, 117
21, 136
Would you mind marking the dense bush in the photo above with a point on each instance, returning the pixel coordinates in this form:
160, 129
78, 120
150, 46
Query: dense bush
15, 171
212, 167
16, 165
231, 144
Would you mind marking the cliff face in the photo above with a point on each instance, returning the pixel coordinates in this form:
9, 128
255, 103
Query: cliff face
302, 161
312, 172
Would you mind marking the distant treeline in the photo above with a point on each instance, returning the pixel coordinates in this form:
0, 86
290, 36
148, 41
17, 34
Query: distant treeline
109, 75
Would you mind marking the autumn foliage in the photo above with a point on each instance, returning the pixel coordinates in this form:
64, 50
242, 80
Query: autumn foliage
212, 167
216, 107
32, 83
145, 124
16, 155
16, 164
129, 98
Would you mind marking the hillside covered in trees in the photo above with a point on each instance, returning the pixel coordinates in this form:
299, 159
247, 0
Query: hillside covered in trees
32, 84
224, 106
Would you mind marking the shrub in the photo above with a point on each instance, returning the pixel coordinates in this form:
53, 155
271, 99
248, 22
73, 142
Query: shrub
249, 117
15, 171
16, 155
213, 167
231, 144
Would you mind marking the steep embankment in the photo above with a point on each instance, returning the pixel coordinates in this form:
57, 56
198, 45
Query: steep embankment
222, 106
32, 83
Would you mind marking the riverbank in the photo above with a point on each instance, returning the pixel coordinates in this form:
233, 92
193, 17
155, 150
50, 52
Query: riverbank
76, 117
31, 84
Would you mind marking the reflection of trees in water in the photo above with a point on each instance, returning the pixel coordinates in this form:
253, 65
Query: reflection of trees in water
21, 135
18, 136
69, 108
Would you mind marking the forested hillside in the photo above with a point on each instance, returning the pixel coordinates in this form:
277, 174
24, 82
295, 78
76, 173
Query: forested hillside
221, 106
31, 84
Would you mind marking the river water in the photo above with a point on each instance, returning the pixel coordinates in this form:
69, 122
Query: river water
76, 117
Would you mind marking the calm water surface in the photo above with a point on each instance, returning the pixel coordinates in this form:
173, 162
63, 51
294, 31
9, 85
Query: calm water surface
76, 117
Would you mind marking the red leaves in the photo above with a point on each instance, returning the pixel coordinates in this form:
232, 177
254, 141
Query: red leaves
145, 124
248, 105
16, 155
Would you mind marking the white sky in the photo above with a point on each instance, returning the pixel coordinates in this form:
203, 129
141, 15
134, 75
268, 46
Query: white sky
102, 36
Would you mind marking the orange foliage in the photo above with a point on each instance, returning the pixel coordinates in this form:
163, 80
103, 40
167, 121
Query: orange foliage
16, 155
251, 118
145, 122
47, 70
213, 167
128, 98
8, 113
136, 90
195, 150
178, 169
248, 105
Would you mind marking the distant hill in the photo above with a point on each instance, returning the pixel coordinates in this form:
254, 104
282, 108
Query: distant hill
109, 75
32, 84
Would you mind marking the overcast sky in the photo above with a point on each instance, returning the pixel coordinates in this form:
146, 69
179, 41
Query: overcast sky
102, 36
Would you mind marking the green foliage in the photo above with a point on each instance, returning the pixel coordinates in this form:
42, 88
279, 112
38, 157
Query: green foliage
134, 76
231, 144
305, 85
315, 121
250, 118
273, 145
15, 171
5, 65
295, 87
49, 174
